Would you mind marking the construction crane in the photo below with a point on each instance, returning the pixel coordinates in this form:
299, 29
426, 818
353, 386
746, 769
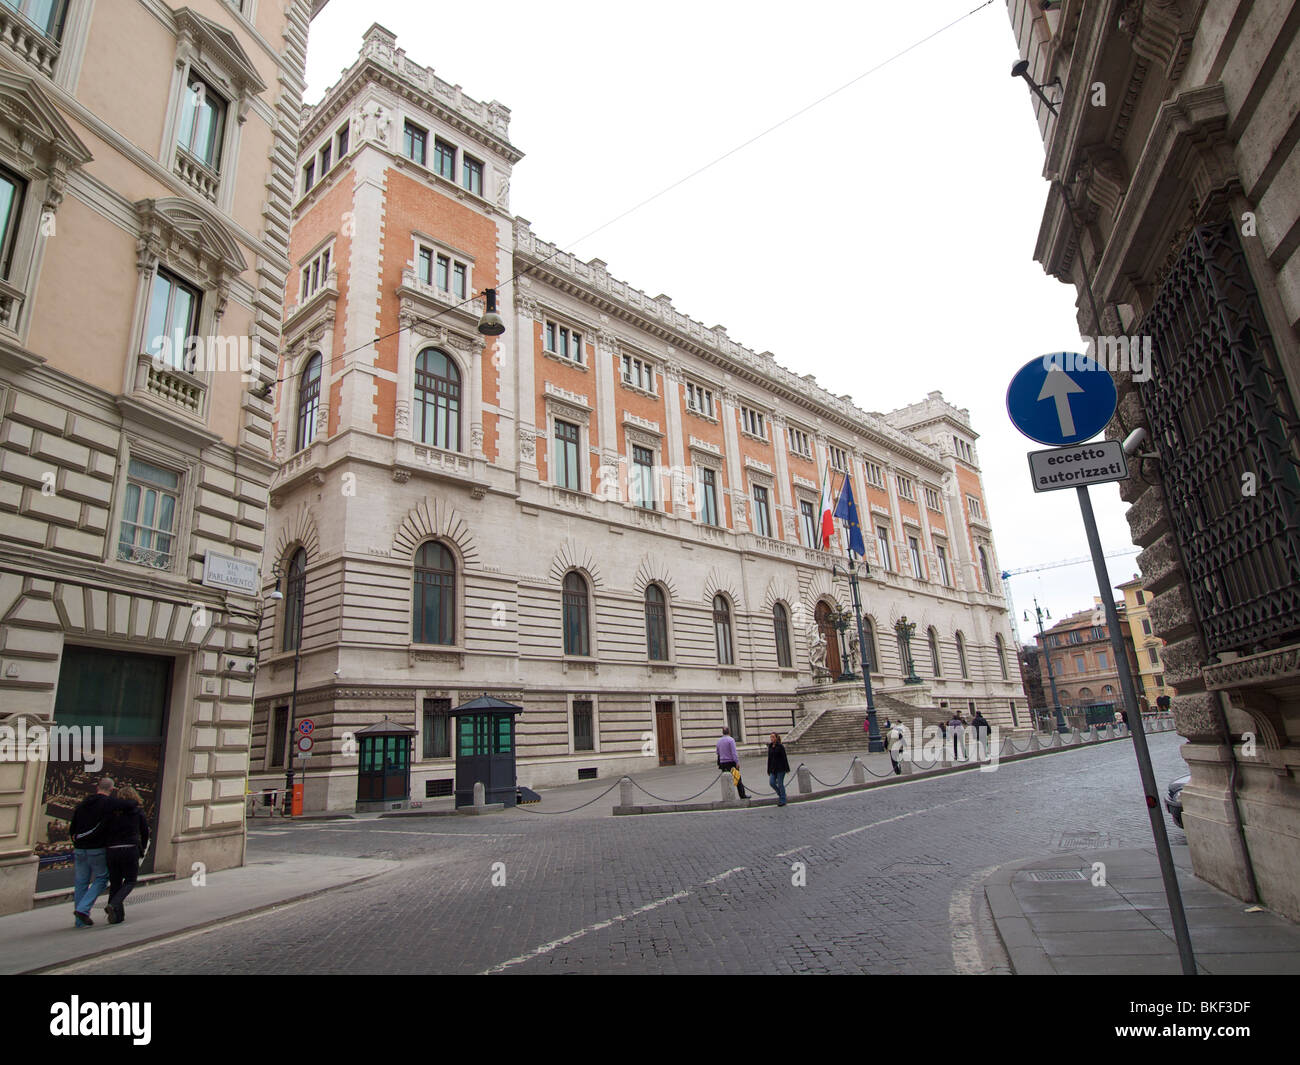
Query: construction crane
1007, 574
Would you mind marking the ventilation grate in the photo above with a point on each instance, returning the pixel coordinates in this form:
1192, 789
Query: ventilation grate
437, 789
587, 774
1042, 875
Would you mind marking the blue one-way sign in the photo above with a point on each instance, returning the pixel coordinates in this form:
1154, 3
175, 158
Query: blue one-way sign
1058, 406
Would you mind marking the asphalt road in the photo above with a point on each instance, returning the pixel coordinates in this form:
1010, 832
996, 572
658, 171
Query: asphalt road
884, 881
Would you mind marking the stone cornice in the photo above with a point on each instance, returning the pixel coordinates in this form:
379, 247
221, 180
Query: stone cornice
1280, 667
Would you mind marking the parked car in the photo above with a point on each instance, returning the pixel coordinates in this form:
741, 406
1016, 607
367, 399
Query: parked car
1174, 799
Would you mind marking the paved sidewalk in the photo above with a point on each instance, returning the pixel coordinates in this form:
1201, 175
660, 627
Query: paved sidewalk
1053, 920
42, 938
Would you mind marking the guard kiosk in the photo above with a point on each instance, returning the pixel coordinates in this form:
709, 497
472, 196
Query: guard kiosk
485, 750
384, 772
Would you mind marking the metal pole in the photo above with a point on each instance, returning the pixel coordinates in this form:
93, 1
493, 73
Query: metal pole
293, 727
1167, 871
875, 742
1051, 677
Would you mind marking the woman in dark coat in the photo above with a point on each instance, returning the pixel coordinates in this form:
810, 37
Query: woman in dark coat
778, 765
128, 839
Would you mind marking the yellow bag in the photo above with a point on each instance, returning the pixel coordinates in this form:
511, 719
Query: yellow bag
735, 776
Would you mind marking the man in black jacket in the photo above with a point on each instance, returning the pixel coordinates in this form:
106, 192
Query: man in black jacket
778, 765
90, 854
128, 839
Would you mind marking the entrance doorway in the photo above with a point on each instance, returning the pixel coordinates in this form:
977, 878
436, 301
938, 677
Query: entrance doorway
822, 614
126, 696
665, 733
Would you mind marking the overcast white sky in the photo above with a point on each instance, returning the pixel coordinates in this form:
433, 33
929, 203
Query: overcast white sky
882, 241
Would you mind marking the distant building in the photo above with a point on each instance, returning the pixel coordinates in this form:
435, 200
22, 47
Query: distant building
1148, 648
1083, 663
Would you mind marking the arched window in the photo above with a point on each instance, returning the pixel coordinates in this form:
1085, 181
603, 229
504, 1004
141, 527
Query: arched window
984, 569
961, 656
1108, 692
577, 634
1002, 655
1085, 695
781, 627
1066, 698
934, 653
433, 614
722, 630
308, 402
437, 400
656, 624
294, 596
869, 652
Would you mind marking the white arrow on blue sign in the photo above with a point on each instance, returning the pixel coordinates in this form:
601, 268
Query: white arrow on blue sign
1061, 398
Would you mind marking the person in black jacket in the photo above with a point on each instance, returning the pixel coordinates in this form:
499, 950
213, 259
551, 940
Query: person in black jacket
128, 839
778, 765
88, 832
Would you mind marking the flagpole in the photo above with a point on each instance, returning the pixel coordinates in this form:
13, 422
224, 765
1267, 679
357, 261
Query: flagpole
875, 742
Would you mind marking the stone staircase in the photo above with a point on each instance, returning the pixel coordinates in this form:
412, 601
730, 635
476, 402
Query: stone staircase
841, 729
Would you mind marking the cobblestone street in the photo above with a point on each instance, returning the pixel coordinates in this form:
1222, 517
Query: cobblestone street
889, 879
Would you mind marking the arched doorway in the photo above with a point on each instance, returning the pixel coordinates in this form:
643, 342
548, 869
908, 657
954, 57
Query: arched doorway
822, 614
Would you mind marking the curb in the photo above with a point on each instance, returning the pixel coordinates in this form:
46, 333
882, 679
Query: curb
1024, 950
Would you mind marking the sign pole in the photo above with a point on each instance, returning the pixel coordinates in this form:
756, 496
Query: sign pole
1167, 871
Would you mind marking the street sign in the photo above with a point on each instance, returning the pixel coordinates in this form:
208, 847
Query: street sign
1082, 464
305, 744
1061, 398
306, 725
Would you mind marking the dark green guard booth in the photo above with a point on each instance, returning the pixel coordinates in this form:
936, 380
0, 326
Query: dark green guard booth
384, 773
485, 750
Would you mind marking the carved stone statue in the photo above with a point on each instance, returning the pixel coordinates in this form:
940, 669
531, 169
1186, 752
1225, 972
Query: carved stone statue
817, 651
853, 652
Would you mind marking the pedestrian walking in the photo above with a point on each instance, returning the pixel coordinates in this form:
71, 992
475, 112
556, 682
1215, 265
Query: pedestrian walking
980, 725
894, 741
89, 852
729, 759
778, 765
127, 841
956, 729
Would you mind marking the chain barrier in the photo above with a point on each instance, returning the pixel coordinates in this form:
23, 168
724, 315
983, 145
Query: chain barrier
576, 808
660, 798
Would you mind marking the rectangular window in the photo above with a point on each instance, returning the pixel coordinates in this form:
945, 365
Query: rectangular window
203, 117
1102, 662
45, 15
1146, 626
325, 157
584, 733
12, 188
443, 279
875, 474
976, 511
753, 422
643, 484
906, 488
308, 176
637, 373
733, 719
882, 541
762, 514
471, 175
1080, 665
414, 140
425, 265
1141, 598
699, 399
279, 736
172, 321
799, 442
942, 554
839, 458
1153, 655
932, 500
808, 517
914, 550
444, 159
315, 273
963, 449
342, 140
566, 456
1159, 679
458, 280
709, 497
564, 342
437, 731
148, 532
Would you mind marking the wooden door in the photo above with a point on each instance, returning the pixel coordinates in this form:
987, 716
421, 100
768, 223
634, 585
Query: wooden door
665, 734
832, 638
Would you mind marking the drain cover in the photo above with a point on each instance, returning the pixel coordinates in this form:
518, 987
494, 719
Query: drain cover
1056, 874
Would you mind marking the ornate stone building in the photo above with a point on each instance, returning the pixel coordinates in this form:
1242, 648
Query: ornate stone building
605, 514
1083, 664
1174, 209
146, 157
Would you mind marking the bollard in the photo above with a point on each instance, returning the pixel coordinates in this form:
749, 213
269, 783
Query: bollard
859, 771
480, 794
728, 787
625, 792
1033, 741
1008, 748
905, 763
805, 780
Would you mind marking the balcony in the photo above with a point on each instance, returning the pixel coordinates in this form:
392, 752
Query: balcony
169, 386
11, 298
28, 41
197, 175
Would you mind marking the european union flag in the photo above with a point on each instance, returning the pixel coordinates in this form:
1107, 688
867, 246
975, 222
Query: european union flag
847, 511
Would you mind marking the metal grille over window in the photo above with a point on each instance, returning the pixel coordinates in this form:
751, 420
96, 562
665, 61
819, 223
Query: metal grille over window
1228, 442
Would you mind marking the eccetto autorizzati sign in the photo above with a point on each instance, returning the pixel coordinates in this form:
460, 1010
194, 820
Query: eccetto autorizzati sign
1079, 464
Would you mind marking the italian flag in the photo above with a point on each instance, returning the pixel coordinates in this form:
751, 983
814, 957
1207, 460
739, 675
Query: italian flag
828, 522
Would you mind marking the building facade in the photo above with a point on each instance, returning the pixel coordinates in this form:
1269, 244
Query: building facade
1172, 154
1147, 647
145, 178
1083, 664
606, 514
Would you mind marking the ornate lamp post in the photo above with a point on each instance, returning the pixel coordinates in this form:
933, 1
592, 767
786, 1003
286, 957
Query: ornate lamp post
875, 741
840, 619
1039, 612
905, 628
279, 573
